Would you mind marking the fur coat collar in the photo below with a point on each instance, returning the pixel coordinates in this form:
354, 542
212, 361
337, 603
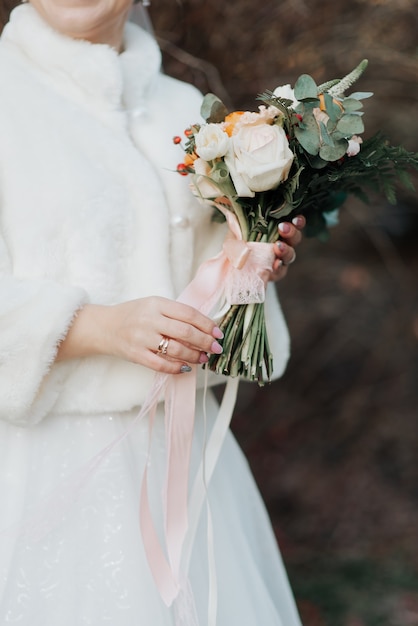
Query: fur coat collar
85, 70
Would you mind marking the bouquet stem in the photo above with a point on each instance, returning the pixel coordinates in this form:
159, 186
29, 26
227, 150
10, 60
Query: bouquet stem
246, 348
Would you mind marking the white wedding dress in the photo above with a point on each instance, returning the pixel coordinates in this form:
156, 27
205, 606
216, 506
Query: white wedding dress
92, 211
90, 567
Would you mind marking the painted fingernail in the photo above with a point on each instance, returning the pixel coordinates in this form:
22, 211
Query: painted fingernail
216, 348
185, 368
282, 246
203, 358
298, 220
217, 333
284, 227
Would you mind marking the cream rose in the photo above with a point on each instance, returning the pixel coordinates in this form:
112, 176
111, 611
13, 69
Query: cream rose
259, 158
202, 185
211, 142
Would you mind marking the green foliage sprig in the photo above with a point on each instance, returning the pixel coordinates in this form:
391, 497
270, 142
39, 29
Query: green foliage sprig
323, 175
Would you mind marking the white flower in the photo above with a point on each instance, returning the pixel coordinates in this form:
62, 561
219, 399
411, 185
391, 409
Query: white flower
286, 91
211, 142
259, 158
354, 145
202, 185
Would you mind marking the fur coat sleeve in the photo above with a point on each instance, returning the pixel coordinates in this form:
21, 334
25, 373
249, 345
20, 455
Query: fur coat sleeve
91, 210
34, 317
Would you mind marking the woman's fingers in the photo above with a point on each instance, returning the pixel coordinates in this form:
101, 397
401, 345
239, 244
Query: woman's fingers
285, 253
163, 334
290, 236
190, 327
291, 231
187, 339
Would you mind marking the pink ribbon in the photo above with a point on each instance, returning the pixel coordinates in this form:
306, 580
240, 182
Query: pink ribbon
230, 275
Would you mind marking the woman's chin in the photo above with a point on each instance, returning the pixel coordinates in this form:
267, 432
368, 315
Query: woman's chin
98, 21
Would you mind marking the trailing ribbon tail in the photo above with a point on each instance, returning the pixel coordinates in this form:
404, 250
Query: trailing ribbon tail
213, 283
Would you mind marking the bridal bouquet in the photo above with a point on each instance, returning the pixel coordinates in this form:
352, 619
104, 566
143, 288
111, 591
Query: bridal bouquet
300, 153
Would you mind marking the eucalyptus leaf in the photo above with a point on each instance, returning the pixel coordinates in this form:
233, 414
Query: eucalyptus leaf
306, 88
350, 124
333, 110
213, 109
331, 127
326, 138
351, 104
317, 163
307, 107
335, 152
337, 135
328, 100
361, 95
308, 136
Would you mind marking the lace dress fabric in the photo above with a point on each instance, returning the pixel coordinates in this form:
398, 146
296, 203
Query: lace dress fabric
88, 566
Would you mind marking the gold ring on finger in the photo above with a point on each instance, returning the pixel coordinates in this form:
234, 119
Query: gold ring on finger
163, 346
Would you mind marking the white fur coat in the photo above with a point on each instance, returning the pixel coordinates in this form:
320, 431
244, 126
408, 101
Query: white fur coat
91, 210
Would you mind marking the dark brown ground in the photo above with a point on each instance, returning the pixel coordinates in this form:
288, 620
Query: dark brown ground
334, 445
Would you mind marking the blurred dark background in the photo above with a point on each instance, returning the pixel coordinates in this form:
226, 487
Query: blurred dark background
333, 444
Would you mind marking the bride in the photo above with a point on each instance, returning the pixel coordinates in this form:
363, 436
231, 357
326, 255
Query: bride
98, 237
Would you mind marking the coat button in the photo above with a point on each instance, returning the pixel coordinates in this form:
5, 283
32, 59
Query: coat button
179, 221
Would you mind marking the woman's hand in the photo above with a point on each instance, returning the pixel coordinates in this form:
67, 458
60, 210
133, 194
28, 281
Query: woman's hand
284, 250
161, 334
